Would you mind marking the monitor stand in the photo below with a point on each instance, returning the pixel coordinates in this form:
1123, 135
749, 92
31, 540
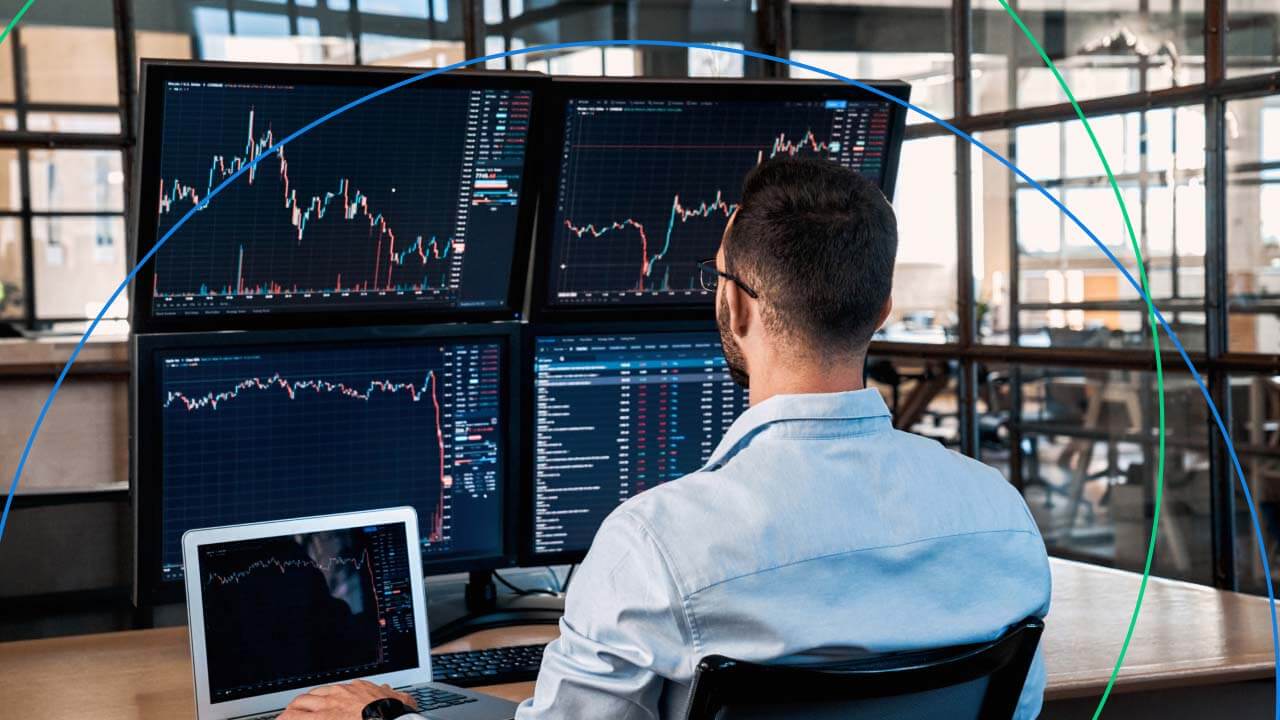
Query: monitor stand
486, 610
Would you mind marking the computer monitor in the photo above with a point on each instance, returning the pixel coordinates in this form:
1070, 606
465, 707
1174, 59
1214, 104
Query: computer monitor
411, 205
643, 176
613, 412
240, 427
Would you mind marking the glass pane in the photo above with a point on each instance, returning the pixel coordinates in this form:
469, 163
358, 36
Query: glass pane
907, 40
73, 65
163, 45
79, 262
1253, 224
76, 180
924, 279
1253, 44
6, 74
1086, 452
1069, 292
256, 32
409, 52
729, 23
1255, 427
10, 180
11, 285
1102, 48
921, 394
402, 8
65, 122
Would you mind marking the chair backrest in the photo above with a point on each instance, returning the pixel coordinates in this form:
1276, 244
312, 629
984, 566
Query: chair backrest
971, 682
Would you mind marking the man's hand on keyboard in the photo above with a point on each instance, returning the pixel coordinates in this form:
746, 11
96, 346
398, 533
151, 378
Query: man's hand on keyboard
341, 702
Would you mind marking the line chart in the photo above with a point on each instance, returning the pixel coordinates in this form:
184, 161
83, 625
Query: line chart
273, 433
277, 565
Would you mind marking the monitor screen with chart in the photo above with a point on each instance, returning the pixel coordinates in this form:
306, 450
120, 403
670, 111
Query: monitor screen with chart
407, 205
272, 426
648, 174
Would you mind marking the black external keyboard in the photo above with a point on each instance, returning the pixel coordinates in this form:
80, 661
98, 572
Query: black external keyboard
518, 663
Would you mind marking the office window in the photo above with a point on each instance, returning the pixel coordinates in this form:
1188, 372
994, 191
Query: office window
924, 280
1084, 445
1253, 224
862, 39
1102, 48
1068, 293
1255, 428
513, 24
406, 33
246, 30
72, 206
1253, 37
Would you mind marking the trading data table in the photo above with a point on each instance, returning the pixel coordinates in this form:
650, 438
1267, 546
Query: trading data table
617, 414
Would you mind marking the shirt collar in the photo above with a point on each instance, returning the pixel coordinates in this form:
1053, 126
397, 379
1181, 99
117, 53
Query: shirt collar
865, 404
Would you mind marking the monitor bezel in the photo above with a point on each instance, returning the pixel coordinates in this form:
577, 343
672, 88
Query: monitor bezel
526, 554
146, 479
560, 90
145, 203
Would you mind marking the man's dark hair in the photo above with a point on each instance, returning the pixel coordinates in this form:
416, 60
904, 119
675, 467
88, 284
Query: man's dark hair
817, 241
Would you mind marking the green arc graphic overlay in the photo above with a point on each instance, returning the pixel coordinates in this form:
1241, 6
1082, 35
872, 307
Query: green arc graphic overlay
1155, 341
14, 22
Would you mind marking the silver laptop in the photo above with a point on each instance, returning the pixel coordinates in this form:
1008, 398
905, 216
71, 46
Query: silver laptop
278, 608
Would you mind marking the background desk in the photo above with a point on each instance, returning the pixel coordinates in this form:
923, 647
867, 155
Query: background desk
1197, 652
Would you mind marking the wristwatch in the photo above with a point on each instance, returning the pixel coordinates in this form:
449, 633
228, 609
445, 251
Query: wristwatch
385, 709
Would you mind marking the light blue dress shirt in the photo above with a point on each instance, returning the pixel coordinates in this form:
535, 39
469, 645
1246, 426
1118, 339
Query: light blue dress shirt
815, 530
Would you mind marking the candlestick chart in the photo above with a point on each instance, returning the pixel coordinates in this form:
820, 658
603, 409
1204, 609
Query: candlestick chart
253, 435
646, 188
372, 210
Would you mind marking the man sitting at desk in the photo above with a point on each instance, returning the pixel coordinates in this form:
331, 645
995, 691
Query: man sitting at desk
815, 529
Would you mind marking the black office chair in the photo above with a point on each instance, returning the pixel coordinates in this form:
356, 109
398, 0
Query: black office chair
971, 682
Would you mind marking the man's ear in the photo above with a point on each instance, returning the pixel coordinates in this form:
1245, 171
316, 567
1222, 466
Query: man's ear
739, 307
884, 312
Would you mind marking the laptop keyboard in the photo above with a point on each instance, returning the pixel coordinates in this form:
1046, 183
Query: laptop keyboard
430, 698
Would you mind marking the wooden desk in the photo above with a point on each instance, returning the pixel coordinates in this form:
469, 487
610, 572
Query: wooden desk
1188, 636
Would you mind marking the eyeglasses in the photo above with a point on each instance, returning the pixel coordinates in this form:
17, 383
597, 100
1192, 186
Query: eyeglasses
711, 275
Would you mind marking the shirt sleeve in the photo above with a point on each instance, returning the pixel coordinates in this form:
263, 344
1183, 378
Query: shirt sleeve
624, 633
1032, 699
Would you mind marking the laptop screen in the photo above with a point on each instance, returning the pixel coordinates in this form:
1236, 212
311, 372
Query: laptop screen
299, 610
